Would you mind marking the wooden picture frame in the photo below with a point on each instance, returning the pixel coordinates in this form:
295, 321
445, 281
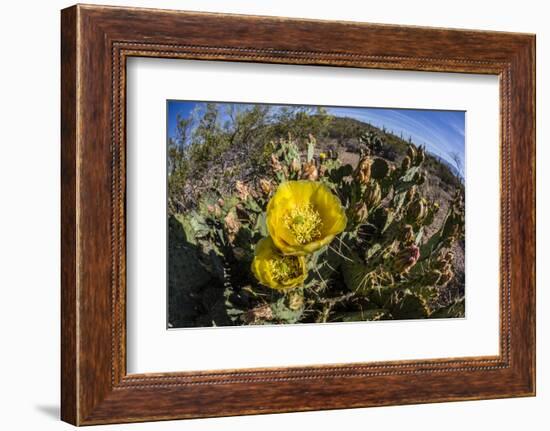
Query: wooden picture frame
95, 43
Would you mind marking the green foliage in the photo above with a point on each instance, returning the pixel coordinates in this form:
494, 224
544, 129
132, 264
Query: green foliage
300, 122
391, 262
455, 309
226, 142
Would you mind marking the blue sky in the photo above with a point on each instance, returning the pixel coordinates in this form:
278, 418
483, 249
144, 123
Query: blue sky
442, 132
175, 108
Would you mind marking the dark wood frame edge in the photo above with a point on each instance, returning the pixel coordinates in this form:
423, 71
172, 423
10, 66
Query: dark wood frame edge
95, 388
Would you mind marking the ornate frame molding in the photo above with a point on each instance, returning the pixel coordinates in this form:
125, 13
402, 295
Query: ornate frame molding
96, 41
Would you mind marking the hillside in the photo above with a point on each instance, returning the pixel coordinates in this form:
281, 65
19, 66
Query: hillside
224, 158
343, 136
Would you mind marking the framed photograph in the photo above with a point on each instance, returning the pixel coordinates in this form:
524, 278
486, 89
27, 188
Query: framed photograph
266, 215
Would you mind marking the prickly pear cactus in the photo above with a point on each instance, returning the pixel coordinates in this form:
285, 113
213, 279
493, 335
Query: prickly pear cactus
390, 260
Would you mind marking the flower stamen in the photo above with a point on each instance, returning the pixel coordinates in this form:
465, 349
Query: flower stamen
284, 268
305, 222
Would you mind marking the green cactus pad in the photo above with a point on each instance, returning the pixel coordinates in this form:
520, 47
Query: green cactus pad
379, 168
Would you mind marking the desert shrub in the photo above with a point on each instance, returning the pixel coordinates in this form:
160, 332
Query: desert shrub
227, 142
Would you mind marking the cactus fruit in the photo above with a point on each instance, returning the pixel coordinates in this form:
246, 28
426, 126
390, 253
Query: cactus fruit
266, 186
232, 224
276, 165
360, 213
295, 300
373, 195
407, 236
417, 211
295, 166
309, 171
243, 190
363, 171
214, 209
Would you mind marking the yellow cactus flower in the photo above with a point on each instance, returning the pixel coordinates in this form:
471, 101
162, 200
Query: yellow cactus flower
304, 216
275, 270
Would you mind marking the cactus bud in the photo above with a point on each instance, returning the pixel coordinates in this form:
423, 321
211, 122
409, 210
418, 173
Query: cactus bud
417, 211
445, 260
266, 186
221, 202
214, 209
407, 236
373, 195
363, 171
309, 171
360, 213
406, 259
411, 152
232, 225
379, 168
295, 301
285, 171
406, 163
242, 190
275, 163
295, 166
